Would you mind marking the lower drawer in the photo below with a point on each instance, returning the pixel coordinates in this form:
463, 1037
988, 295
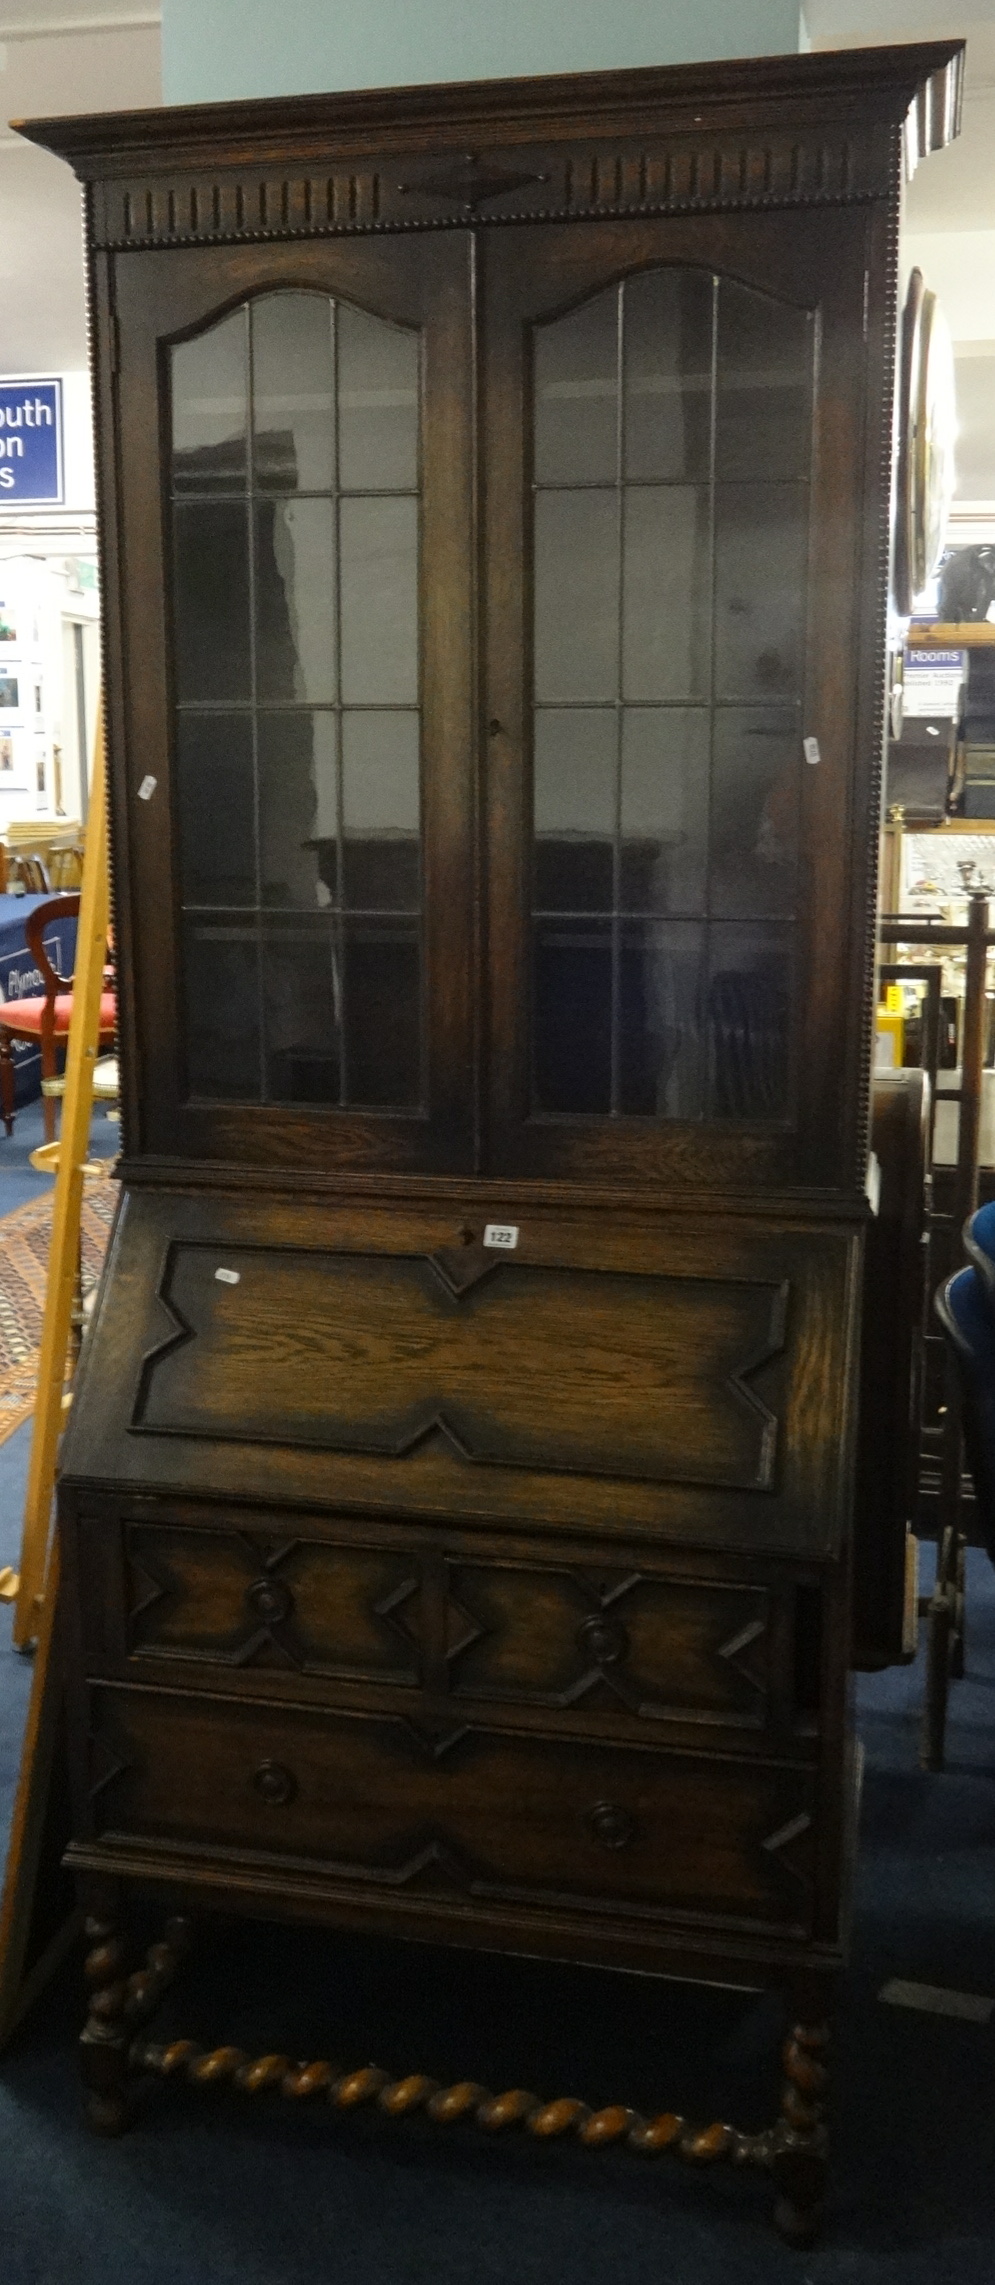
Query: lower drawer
391, 1807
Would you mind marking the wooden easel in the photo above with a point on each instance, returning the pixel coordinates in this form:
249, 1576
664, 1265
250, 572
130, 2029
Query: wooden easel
37, 1914
68, 1156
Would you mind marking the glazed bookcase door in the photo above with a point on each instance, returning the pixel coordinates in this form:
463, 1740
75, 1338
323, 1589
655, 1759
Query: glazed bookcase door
674, 468
295, 525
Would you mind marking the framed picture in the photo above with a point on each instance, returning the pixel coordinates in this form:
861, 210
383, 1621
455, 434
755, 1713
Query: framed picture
8, 631
6, 753
941, 870
927, 428
9, 693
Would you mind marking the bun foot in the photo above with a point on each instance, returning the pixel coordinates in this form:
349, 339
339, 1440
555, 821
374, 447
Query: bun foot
106, 2114
798, 2225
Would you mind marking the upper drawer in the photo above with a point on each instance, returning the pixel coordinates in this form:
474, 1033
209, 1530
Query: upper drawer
598, 1643
688, 1378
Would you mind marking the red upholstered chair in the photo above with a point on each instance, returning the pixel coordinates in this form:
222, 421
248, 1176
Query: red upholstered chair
45, 1019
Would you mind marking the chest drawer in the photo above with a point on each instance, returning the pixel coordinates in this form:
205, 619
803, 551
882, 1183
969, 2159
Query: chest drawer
392, 1809
593, 1638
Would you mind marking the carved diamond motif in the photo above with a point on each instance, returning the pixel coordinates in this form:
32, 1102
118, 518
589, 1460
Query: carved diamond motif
462, 1267
435, 1738
780, 1847
107, 1764
435, 1856
389, 1608
460, 1637
736, 1653
466, 185
149, 1589
270, 1605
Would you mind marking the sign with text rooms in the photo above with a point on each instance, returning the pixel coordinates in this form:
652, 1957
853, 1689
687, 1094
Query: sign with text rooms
30, 443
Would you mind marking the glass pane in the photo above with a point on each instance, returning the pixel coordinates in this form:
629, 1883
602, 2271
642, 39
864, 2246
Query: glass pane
216, 809
575, 773
572, 1024
755, 771
298, 809
302, 1011
660, 1058
381, 812
379, 601
664, 859
288, 605
761, 545
764, 386
667, 596
576, 587
293, 393
667, 688
221, 980
383, 994
211, 598
210, 399
378, 404
668, 374
749, 1012
295, 599
576, 395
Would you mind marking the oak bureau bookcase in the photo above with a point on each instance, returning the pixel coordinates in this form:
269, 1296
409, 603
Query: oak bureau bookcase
494, 490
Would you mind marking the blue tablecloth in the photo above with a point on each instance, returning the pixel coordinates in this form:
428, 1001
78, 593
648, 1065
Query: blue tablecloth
21, 980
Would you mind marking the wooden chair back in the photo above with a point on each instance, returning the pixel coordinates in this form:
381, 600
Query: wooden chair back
57, 908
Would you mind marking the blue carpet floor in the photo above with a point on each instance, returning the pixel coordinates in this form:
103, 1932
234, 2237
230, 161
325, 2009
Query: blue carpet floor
215, 2191
18, 1180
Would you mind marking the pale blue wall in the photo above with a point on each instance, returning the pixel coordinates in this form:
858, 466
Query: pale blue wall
219, 49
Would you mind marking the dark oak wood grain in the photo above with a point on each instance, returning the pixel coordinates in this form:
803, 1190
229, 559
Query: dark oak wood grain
651, 1320
395, 1806
492, 1598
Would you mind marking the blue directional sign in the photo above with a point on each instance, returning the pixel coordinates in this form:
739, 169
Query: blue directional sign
30, 443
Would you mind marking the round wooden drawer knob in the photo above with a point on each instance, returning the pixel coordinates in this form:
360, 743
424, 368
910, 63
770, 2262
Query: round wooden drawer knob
612, 1826
275, 1784
270, 1600
604, 1640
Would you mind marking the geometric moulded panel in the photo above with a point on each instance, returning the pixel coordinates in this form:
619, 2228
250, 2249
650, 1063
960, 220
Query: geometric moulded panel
551, 1368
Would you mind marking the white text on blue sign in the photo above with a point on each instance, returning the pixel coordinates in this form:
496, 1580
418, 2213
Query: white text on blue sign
31, 442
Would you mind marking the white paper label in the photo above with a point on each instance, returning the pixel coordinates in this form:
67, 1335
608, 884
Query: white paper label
503, 1235
810, 749
147, 789
228, 1276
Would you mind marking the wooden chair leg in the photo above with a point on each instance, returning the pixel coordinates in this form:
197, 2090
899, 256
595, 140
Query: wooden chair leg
48, 1072
6, 1082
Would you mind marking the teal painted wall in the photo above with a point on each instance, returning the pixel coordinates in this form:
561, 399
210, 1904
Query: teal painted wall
214, 50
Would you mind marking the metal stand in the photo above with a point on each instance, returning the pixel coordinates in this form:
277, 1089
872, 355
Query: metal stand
944, 1609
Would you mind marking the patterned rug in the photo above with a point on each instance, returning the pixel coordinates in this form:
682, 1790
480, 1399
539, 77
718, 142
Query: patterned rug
24, 1242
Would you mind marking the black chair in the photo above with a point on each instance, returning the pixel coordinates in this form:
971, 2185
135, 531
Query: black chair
964, 1306
979, 1246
